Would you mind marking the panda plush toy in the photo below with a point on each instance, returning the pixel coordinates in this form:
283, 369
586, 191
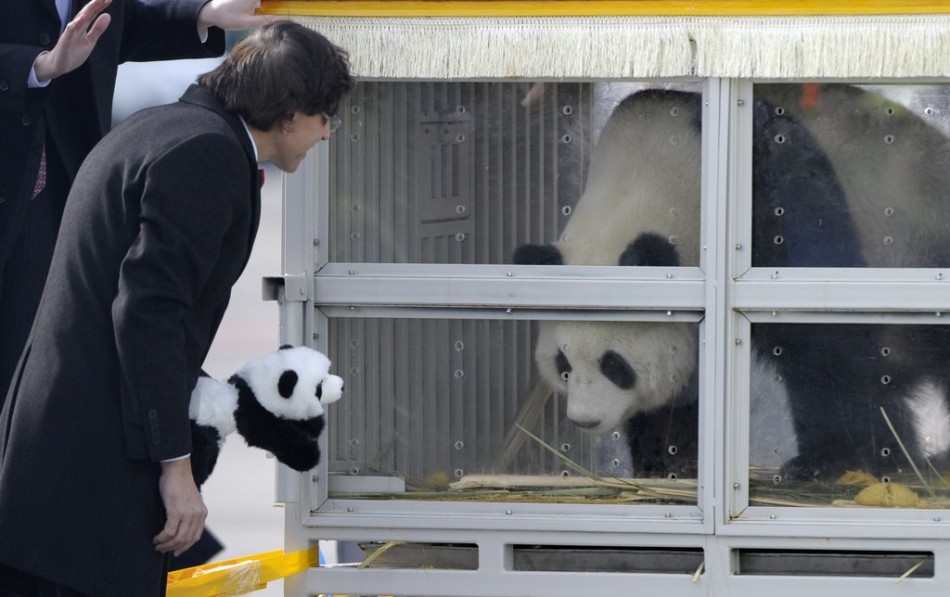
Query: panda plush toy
275, 402
815, 204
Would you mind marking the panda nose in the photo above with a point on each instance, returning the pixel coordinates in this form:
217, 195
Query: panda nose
588, 424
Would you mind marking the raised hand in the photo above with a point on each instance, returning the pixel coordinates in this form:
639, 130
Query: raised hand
75, 44
231, 14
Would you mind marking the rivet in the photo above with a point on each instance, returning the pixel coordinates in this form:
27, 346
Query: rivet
460, 236
567, 110
349, 508
738, 246
508, 512
509, 274
736, 486
740, 102
737, 341
566, 210
888, 211
775, 275
314, 478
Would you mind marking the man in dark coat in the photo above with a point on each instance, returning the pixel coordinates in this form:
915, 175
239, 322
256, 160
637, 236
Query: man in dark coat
58, 62
95, 482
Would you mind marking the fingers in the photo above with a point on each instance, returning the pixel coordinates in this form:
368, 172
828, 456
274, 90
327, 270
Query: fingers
180, 532
88, 13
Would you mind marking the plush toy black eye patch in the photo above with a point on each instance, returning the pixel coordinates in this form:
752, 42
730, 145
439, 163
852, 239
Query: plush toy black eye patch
287, 383
319, 391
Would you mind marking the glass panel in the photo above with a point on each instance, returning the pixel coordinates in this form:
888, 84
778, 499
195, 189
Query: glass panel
850, 414
463, 409
848, 176
464, 173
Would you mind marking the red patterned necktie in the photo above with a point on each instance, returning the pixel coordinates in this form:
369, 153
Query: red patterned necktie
41, 175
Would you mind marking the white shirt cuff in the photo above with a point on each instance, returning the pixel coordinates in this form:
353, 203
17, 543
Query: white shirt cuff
33, 83
177, 459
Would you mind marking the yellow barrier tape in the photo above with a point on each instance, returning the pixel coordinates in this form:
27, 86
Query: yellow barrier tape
563, 8
239, 575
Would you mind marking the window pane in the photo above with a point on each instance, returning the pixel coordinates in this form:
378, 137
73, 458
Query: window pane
447, 172
842, 409
464, 409
847, 176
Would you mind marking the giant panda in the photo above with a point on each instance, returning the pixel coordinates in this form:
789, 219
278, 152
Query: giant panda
813, 206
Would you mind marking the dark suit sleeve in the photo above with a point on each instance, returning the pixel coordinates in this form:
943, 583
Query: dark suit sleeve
193, 195
166, 30
16, 61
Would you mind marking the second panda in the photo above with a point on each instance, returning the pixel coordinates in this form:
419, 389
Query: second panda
813, 206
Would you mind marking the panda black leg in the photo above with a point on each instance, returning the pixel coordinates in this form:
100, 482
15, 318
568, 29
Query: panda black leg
838, 382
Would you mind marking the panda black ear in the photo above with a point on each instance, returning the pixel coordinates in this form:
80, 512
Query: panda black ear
537, 255
287, 383
650, 249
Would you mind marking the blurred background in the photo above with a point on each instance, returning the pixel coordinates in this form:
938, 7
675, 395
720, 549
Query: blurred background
240, 493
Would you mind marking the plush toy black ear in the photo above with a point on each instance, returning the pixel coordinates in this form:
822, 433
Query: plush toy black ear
650, 249
287, 383
537, 255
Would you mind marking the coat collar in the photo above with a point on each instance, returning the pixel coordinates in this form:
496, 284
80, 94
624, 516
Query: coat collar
202, 96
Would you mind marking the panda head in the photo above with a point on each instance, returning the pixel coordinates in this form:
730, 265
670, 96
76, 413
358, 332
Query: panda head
611, 371
292, 383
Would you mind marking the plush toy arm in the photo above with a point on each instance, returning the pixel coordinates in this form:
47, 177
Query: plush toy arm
211, 411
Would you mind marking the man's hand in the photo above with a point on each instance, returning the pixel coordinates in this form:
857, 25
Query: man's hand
185, 511
231, 14
76, 42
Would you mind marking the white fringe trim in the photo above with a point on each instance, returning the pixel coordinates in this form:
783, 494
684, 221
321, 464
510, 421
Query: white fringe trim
477, 48
642, 47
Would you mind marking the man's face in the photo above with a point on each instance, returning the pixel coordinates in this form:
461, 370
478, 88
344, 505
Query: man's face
295, 137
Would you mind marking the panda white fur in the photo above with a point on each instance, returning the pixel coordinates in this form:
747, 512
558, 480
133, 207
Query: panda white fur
275, 402
814, 206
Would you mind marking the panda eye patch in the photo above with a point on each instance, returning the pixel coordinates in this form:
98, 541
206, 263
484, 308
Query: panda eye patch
617, 370
287, 383
319, 392
563, 365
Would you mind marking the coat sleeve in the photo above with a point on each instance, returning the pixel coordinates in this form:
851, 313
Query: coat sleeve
166, 30
193, 195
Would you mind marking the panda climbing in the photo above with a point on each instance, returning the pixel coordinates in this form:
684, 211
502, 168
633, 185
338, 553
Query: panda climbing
814, 205
275, 402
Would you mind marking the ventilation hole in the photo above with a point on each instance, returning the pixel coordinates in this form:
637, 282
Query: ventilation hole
567, 110
565, 375
565, 447
888, 211
780, 139
885, 452
885, 379
566, 210
674, 111
885, 479
888, 240
889, 111
777, 351
671, 476
779, 211
776, 479
459, 473
459, 445
779, 239
615, 435
566, 139
888, 139
885, 351
779, 111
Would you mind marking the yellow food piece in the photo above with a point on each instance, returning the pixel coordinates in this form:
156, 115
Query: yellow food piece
887, 495
857, 478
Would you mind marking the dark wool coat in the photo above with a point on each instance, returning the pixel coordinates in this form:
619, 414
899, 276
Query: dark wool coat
78, 106
158, 227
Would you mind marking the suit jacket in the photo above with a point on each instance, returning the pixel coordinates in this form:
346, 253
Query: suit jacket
76, 108
158, 226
